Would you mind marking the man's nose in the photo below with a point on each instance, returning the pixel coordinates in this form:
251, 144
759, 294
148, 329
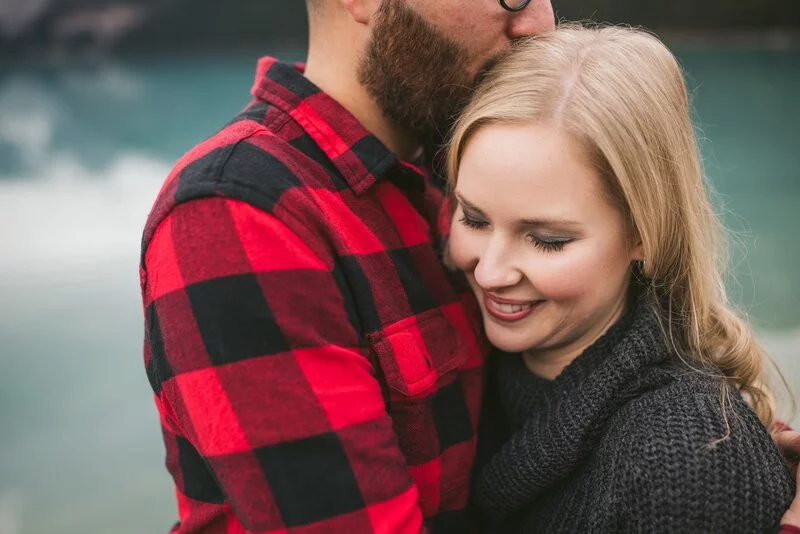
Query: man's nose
537, 18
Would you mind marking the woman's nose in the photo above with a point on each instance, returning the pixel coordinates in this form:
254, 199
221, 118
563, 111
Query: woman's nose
495, 268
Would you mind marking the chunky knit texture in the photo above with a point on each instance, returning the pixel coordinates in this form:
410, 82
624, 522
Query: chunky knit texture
627, 439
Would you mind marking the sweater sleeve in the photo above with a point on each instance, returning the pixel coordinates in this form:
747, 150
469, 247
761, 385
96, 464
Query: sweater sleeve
682, 471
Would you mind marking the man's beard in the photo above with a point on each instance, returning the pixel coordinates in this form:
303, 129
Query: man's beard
419, 77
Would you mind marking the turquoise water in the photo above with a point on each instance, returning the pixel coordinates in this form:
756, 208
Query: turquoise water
82, 154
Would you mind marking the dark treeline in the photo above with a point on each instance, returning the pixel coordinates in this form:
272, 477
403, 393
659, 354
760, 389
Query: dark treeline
51, 27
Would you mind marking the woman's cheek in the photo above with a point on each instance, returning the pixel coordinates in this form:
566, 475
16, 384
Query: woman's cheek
563, 276
461, 249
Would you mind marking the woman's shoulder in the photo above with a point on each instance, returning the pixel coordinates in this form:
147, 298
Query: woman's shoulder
695, 411
697, 399
695, 440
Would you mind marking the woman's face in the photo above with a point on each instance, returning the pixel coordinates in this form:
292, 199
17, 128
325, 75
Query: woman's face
546, 253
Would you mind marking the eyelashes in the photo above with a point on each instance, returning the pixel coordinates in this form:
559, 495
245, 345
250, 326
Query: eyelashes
545, 245
548, 245
475, 224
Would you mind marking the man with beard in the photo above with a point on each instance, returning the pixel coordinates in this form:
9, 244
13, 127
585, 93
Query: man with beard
315, 367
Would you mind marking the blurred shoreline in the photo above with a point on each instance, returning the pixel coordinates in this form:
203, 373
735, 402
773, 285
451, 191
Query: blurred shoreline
94, 30
92, 50
768, 38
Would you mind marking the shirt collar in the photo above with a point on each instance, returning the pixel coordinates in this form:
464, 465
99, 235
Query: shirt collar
359, 156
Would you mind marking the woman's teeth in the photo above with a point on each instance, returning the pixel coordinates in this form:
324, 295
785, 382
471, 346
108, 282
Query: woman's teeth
510, 308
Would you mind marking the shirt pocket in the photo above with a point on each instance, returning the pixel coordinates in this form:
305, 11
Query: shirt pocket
416, 352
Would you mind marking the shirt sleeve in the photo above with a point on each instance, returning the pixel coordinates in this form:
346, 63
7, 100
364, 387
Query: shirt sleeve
271, 411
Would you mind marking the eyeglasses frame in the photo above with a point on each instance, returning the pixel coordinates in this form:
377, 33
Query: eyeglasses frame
514, 9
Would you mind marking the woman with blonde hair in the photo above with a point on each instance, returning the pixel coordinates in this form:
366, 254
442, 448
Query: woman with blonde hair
629, 396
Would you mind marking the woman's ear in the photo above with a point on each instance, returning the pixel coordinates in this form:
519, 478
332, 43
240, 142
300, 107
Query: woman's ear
636, 245
637, 252
361, 11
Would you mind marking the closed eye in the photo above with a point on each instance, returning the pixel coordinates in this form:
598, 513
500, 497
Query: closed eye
549, 245
473, 222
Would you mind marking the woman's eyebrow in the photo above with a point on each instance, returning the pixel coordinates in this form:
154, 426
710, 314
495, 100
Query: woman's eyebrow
554, 221
468, 204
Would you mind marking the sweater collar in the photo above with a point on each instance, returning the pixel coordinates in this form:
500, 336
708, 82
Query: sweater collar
556, 424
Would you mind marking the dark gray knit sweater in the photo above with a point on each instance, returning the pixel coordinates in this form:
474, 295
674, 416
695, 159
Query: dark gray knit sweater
626, 439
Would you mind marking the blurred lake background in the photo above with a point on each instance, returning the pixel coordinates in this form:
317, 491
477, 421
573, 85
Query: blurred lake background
98, 98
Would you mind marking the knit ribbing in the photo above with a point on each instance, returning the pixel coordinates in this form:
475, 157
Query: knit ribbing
627, 438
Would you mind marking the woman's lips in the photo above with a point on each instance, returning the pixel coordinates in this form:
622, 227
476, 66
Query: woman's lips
509, 311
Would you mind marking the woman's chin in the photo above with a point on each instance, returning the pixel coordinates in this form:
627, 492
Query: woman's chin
508, 344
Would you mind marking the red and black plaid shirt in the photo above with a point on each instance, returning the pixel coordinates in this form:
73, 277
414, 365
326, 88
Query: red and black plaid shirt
315, 367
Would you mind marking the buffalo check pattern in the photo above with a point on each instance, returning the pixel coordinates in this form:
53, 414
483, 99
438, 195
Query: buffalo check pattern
314, 366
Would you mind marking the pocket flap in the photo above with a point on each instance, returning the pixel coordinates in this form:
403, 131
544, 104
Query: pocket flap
416, 352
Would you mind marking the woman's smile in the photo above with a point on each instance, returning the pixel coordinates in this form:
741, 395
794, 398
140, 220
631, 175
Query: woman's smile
509, 311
